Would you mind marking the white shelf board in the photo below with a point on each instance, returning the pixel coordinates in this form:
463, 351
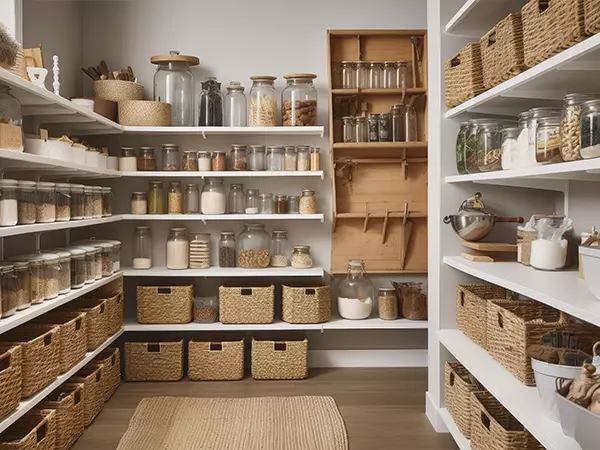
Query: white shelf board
573, 70
476, 17
20, 317
523, 402
462, 442
223, 217
32, 401
228, 131
561, 290
227, 174
42, 227
221, 272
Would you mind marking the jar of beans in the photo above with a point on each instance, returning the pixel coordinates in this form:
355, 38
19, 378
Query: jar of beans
387, 304
237, 158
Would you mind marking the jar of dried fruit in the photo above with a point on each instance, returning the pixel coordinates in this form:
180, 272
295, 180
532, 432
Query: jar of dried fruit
253, 247
262, 111
299, 101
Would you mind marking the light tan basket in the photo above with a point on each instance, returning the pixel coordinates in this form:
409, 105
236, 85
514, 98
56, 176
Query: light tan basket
36, 430
154, 361
494, 428
40, 363
591, 10
10, 379
165, 304
96, 319
457, 395
115, 305
279, 357
306, 304
110, 358
502, 51
463, 75
118, 90
92, 379
67, 401
246, 304
73, 336
144, 113
216, 358
108, 290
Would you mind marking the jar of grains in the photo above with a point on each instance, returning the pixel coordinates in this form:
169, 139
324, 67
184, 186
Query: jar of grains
360, 125
8, 285
204, 161
590, 129
308, 202
237, 201
213, 199
146, 160
275, 158
290, 159
90, 263
301, 258
303, 152
266, 203
26, 202
175, 198
106, 252
78, 274
218, 161
387, 304
192, 199
64, 270
127, 160
253, 247
548, 141
189, 161
51, 275
107, 202
349, 129
237, 158
293, 204
227, 249
252, 201
45, 202
96, 202
63, 202
413, 300
299, 101
199, 250
280, 249
77, 201
88, 206
570, 125
384, 128
139, 203
315, 158
256, 157
170, 157
262, 111
373, 125
155, 198
97, 253
36, 271
142, 248
281, 204
410, 124
9, 211
178, 249
206, 309
23, 279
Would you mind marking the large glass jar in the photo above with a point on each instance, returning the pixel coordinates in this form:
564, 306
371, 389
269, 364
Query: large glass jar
301, 258
174, 84
299, 101
360, 124
156, 198
253, 247
348, 129
410, 124
256, 157
308, 202
36, 270
389, 75
107, 202
192, 199
227, 249
510, 151
77, 201
535, 115
9, 211
236, 110
397, 121
218, 161
262, 111
361, 73
570, 126
375, 72
170, 157
291, 158
26, 202
174, 198
8, 286
238, 160
266, 203
142, 248
461, 140
11, 120
275, 159
78, 273
63, 202
373, 124
88, 198
280, 249
471, 161
204, 161
252, 201
590, 129
45, 202
64, 271
348, 77
138, 203
237, 202
355, 294
146, 160
189, 161
489, 143
303, 152
384, 128
127, 160
23, 280
213, 199
211, 104
96, 202
178, 249
548, 141
199, 250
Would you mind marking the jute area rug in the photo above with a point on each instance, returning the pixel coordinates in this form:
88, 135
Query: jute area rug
266, 423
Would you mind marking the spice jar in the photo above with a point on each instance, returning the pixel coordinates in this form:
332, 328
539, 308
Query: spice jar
384, 127
204, 161
315, 158
206, 309
189, 161
397, 122
45, 201
360, 125
211, 104
590, 129
227, 249
142, 248
308, 202
361, 73
127, 160
373, 125
290, 159
256, 157
9, 211
293, 204
213, 199
301, 258
509, 148
139, 203
11, 118
253, 247
299, 101
237, 201
387, 304
199, 251
410, 124
489, 142
389, 75
548, 141
88, 197
252, 201
348, 77
570, 125
266, 203
146, 160
262, 111
355, 293
107, 202
64, 270
96, 202
280, 249
8, 285
281, 204
174, 198
413, 300
303, 156
349, 129
23, 284
375, 75
237, 158
275, 158
236, 110
219, 161
170, 157
178, 251
26, 202
78, 273
63, 202
155, 198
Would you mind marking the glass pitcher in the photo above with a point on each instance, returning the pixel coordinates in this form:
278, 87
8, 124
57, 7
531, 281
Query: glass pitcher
355, 293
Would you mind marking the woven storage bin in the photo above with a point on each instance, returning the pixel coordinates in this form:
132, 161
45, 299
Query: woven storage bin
591, 10
154, 361
118, 90
114, 305
73, 336
494, 428
108, 290
40, 347
246, 304
36, 430
463, 75
280, 357
306, 304
110, 358
144, 113
165, 304
96, 319
92, 379
69, 413
214, 358
10, 378
457, 395
502, 51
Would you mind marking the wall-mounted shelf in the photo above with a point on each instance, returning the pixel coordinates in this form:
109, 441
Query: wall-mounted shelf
476, 17
378, 145
220, 272
44, 227
227, 131
408, 91
227, 174
223, 217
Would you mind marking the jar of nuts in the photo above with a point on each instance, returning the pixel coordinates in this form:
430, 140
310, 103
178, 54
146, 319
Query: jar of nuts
570, 126
299, 101
253, 247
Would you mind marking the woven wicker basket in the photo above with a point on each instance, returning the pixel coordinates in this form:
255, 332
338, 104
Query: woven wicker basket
463, 75
494, 428
502, 51
73, 336
306, 304
96, 319
69, 413
246, 304
213, 358
457, 395
144, 113
40, 346
118, 90
108, 290
10, 378
165, 304
591, 9
92, 379
110, 358
36, 430
114, 305
154, 361
279, 357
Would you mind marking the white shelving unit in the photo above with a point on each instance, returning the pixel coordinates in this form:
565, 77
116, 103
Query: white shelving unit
462, 442
230, 174
223, 217
220, 272
476, 17
43, 227
227, 131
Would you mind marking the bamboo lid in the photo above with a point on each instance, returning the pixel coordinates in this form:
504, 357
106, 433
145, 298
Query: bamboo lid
312, 76
263, 77
174, 56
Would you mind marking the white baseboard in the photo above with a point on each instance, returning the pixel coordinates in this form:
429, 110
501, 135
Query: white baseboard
368, 358
433, 414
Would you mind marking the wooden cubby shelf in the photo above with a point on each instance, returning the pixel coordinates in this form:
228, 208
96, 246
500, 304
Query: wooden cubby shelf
378, 145
408, 91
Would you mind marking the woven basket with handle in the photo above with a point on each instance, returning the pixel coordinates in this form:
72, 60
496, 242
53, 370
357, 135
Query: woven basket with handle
108, 290
165, 304
463, 75
458, 386
10, 378
92, 379
246, 304
306, 304
214, 358
114, 304
36, 430
96, 319
118, 90
67, 401
279, 357
154, 361
110, 358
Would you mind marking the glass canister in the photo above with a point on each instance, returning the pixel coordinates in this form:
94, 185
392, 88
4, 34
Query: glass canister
375, 72
397, 122
138, 203
213, 199
361, 73
26, 202
174, 84
37, 276
127, 160
548, 141
9, 210
349, 129
509, 147
315, 158
218, 161
174, 198
45, 202
489, 143
389, 75
252, 201
142, 248
280, 249
88, 198
303, 156
413, 300
170, 157
290, 159
266, 203
156, 198
206, 309
281, 204
308, 202
361, 134
355, 294
77, 201
256, 157
8, 286
78, 273
199, 251
590, 129
299, 101
293, 204
384, 127
204, 161
52, 274
373, 124
262, 111
387, 304
178, 249
461, 139
97, 254
11, 118
236, 109
63, 202
237, 201
107, 202
211, 104
253, 247
106, 253
116, 253
146, 160
275, 158
96, 202
348, 77
401, 69
238, 159
570, 126
227, 249
192, 199
23, 284
301, 258
410, 124
534, 117
64, 270
189, 161
90, 263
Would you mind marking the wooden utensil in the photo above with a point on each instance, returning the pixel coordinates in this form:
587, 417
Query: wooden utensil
130, 72
90, 73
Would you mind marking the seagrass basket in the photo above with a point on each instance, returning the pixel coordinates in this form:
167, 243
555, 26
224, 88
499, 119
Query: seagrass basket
283, 357
246, 304
73, 336
36, 430
96, 319
144, 113
92, 379
154, 361
216, 358
10, 378
67, 401
463, 75
118, 90
165, 304
306, 304
110, 358
458, 386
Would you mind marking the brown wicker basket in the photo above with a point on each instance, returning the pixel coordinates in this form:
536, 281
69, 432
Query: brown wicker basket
96, 319
165, 304
306, 304
108, 290
110, 358
36, 430
144, 113
10, 378
246, 304
67, 401
216, 358
115, 313
73, 336
458, 385
502, 51
118, 90
494, 428
154, 361
463, 75
280, 357
92, 379
591, 12
40, 363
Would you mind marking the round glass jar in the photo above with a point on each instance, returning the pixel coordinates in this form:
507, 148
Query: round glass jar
262, 110
142, 248
12, 119
256, 157
37, 276
299, 101
63, 202
489, 144
170, 158
78, 272
409, 124
139, 203
293, 204
590, 129
45, 202
252, 201
189, 161
387, 304
397, 121
510, 151
349, 129
204, 161
238, 159
401, 69
548, 141
471, 161
156, 198
97, 253
266, 203
281, 204
26, 202
211, 104
373, 125
236, 108
199, 251
280, 249
106, 253
348, 77
9, 209
253, 247
534, 117
77, 201
301, 258
570, 125
275, 158
8, 287
303, 156
146, 160
227, 249
389, 75
64, 270
237, 201
375, 75
96, 202
206, 309
308, 202
218, 161
355, 294
290, 158
116, 253
127, 160
178, 249
107, 202
88, 206
90, 263
384, 127
23, 284
361, 74
192, 199
213, 199
174, 198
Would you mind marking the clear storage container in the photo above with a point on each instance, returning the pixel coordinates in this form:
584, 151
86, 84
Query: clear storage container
9, 210
489, 143
199, 250
361, 72
26, 202
45, 202
142, 248
8, 285
204, 161
280, 249
156, 198
237, 201
293, 204
96, 202
348, 75
106, 253
227, 249
77, 201
510, 151
192, 199
281, 204
146, 160
127, 160
375, 75
218, 161
373, 126
51, 275
461, 141
236, 110
401, 69
138, 203
548, 141
291, 158
238, 160
349, 129
303, 152
107, 202
211, 104
11, 118
23, 284
90, 263
361, 133
256, 157
37, 276
189, 161
315, 158
253, 247
78, 270
387, 304
170, 157
88, 198
266, 203
213, 199
533, 119
570, 126
590, 129
355, 294
64, 270
116, 254
275, 160
389, 75
262, 110
410, 124
397, 122
174, 198
308, 202
299, 101
471, 160
384, 127
252, 201
206, 309
301, 258
178, 249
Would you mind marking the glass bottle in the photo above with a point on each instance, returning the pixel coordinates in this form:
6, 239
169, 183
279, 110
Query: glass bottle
253, 247
227, 249
204, 161
107, 202
139, 203
489, 142
387, 303
293, 204
303, 155
410, 124
146, 160
280, 249
45, 202
237, 201
236, 110
155, 198
401, 69
275, 160
218, 161
349, 129
375, 70
174, 198
348, 77
237, 158
266, 203
12, 120
361, 134
281, 204
389, 75
189, 161
548, 141
178, 249
170, 157
199, 256
26, 202
290, 158
355, 294
256, 157
262, 111
461, 141
127, 160
9, 211
211, 104
252, 203
299, 101
362, 74
213, 199
384, 127
142, 248
509, 147
315, 158
192, 199
77, 201
301, 258
373, 124
397, 122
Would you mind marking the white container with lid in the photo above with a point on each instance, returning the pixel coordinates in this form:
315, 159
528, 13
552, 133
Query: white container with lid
78, 269
92, 158
9, 212
77, 154
51, 148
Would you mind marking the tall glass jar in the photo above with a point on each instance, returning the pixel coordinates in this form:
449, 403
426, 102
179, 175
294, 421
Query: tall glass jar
116, 253
213, 199
174, 84
138, 203
8, 286
77, 201
78, 271
9, 211
174, 198
238, 159
107, 202
299, 101
509, 147
471, 155
397, 122
199, 250
308, 202
146, 160
301, 258
389, 75
355, 294
45, 202
489, 143
23, 280
361, 134
570, 126
410, 124
211, 104
315, 158
280, 249
51, 270
266, 203
590, 129
252, 201
548, 141
535, 115
348, 75
90, 263
227, 249
63, 202
26, 202
291, 158
88, 198
236, 109
253, 247
97, 202
349, 129
281, 204
262, 111
127, 160
189, 161
373, 124
142, 248
204, 161
156, 198
275, 159
192, 199
12, 120
170, 157
178, 249
256, 157
375, 72
64, 270
218, 161
293, 204
237, 202
385, 128
303, 152
361, 71
461, 139
401, 69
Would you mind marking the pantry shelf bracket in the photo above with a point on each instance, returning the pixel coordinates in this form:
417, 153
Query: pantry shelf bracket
385, 225
203, 135
204, 222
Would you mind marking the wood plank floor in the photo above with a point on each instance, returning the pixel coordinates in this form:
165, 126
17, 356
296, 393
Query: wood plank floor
384, 409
